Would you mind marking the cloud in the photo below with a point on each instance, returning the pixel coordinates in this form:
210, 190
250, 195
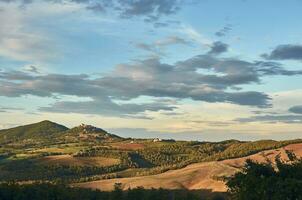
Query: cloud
235, 71
153, 9
213, 123
218, 48
171, 40
224, 31
150, 10
8, 109
21, 36
196, 36
203, 77
296, 109
289, 119
260, 112
157, 46
285, 52
144, 46
106, 107
32, 69
97, 7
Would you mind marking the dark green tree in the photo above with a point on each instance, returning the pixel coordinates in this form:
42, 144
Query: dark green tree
279, 181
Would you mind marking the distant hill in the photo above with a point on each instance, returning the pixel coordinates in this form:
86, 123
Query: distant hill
50, 130
89, 132
43, 129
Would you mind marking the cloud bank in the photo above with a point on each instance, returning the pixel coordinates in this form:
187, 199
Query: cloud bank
206, 78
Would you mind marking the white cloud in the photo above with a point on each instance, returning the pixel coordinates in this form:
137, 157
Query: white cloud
20, 37
286, 99
196, 36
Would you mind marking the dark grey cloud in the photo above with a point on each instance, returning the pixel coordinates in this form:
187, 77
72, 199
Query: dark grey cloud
274, 68
235, 71
296, 109
161, 24
150, 10
289, 119
97, 7
224, 31
8, 109
106, 106
285, 52
15, 75
112, 94
218, 48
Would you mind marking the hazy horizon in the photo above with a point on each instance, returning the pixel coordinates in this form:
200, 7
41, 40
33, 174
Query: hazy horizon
191, 136
191, 70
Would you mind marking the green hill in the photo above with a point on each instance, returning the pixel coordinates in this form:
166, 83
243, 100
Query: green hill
44, 129
89, 132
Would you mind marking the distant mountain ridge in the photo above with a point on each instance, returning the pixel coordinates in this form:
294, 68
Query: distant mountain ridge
47, 130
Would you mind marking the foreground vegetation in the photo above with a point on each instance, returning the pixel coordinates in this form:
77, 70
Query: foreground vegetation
44, 191
267, 181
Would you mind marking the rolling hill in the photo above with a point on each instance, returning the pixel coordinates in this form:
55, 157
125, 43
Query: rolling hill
43, 129
205, 175
89, 132
90, 157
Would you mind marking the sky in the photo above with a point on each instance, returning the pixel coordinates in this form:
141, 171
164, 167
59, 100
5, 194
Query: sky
183, 69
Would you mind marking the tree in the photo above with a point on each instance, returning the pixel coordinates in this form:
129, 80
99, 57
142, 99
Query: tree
267, 182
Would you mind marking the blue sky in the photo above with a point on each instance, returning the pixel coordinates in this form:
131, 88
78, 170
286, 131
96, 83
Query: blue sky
206, 70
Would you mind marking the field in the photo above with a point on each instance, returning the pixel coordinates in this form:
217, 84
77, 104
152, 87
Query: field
128, 146
196, 176
78, 161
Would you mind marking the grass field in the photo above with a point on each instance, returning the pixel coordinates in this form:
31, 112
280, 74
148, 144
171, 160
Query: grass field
128, 146
78, 161
67, 149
